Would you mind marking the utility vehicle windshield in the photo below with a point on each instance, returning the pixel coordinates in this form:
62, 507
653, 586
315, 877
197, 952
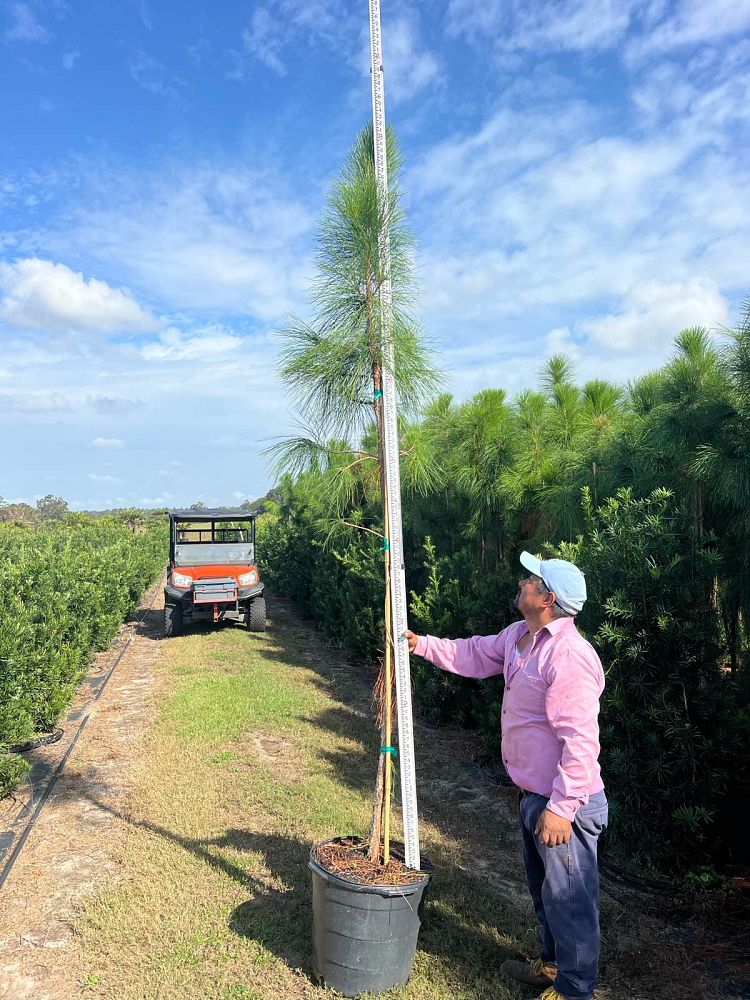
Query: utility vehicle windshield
221, 542
191, 535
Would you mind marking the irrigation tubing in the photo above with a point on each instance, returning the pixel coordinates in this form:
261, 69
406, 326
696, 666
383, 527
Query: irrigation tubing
486, 769
60, 767
39, 741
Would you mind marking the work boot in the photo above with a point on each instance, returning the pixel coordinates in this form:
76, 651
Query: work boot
552, 994
536, 973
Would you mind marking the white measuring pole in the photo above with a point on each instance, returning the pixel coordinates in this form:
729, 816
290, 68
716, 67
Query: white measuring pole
392, 470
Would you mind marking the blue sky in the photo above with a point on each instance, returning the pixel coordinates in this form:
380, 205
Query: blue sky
576, 174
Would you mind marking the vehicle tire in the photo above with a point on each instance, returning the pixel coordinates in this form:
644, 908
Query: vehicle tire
173, 624
255, 616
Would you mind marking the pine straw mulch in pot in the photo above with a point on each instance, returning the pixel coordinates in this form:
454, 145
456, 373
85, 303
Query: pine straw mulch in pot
346, 858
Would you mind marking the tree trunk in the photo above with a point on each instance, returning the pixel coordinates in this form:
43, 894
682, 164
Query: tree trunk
378, 800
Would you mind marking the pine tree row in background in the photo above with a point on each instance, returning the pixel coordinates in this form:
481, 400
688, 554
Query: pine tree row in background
647, 486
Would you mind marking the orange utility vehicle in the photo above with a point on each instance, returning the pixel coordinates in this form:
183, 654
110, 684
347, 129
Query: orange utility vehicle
212, 573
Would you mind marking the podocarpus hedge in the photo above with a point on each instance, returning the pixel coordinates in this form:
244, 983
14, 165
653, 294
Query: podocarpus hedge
64, 590
675, 725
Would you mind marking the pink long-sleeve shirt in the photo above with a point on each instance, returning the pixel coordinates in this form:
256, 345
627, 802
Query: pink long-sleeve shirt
550, 727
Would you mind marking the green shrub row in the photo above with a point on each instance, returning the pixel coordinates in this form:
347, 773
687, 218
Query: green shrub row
662, 466
65, 588
675, 724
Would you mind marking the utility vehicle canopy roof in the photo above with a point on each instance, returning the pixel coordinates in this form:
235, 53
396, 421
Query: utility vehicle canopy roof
215, 514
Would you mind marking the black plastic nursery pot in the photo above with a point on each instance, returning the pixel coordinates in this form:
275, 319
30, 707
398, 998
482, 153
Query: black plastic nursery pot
364, 936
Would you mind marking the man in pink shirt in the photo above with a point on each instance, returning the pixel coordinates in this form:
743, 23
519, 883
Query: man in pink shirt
550, 748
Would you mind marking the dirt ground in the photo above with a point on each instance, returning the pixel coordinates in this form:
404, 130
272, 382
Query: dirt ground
72, 849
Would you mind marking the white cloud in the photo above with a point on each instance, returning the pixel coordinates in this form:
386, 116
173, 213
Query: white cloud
708, 94
544, 26
692, 22
546, 211
107, 444
203, 345
639, 335
204, 236
25, 26
69, 59
198, 51
153, 76
97, 477
548, 26
112, 406
34, 403
276, 26
162, 500
275, 29
654, 313
560, 341
264, 40
144, 12
41, 295
409, 67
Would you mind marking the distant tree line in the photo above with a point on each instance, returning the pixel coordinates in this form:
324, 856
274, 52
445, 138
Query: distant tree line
53, 508
48, 508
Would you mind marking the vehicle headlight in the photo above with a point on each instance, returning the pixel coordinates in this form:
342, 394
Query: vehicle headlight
248, 579
181, 580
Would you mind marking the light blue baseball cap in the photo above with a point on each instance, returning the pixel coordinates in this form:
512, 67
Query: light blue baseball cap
560, 576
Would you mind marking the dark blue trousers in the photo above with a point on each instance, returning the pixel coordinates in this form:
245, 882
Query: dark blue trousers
564, 886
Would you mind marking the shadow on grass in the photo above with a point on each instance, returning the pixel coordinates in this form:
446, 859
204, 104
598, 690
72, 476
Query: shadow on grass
458, 929
148, 624
344, 722
353, 721
280, 920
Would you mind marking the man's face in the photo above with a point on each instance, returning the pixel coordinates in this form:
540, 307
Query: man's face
529, 597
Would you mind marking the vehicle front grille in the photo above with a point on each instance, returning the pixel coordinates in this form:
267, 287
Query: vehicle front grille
215, 591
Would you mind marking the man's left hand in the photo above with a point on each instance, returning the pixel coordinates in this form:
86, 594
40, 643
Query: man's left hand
552, 829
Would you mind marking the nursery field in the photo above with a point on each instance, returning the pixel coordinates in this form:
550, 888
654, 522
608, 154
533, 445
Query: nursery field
249, 749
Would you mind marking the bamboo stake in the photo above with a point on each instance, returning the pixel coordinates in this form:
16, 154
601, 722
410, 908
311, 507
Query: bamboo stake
388, 667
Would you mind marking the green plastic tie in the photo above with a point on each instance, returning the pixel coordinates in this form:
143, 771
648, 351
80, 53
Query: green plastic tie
385, 547
377, 393
391, 750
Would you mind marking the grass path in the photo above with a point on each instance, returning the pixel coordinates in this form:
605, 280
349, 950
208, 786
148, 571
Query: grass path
261, 746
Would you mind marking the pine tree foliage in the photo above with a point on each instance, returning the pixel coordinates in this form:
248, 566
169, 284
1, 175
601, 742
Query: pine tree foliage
327, 364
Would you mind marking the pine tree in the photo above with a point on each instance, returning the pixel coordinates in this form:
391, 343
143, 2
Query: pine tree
333, 365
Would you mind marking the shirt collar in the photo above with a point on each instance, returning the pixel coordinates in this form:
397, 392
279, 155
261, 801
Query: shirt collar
559, 624
555, 626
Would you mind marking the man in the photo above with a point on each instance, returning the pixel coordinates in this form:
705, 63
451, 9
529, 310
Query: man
550, 748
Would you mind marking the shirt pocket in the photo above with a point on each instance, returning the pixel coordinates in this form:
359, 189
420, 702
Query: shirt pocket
529, 690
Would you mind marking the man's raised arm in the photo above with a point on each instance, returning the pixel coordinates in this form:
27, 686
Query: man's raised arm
480, 656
